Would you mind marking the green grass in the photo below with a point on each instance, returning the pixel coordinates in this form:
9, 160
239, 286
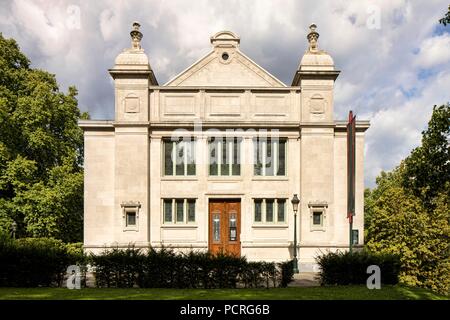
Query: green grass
297, 293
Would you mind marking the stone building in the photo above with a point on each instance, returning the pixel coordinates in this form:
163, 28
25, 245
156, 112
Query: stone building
211, 159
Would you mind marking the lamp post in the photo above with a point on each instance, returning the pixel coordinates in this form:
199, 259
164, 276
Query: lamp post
295, 201
14, 228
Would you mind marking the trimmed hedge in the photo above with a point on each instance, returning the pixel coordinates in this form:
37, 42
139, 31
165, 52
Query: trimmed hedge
345, 268
165, 268
33, 262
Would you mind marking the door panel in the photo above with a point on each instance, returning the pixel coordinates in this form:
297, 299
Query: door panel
225, 226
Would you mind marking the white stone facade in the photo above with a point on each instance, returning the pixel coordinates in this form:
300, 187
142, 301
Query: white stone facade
224, 94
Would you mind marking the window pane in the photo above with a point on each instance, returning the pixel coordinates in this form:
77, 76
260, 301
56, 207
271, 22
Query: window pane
236, 167
168, 210
317, 218
281, 158
191, 158
281, 208
179, 158
168, 163
233, 227
213, 152
216, 227
269, 210
257, 150
258, 207
191, 210
131, 219
269, 156
224, 167
179, 206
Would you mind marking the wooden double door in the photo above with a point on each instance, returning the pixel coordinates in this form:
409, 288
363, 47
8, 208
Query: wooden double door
225, 226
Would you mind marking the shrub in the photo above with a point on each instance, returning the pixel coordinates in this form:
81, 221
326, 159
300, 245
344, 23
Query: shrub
287, 272
32, 262
344, 268
165, 268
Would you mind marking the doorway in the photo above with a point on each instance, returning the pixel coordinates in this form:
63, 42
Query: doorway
225, 226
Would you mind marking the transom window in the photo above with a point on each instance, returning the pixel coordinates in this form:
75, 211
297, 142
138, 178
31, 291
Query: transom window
179, 157
270, 210
269, 156
179, 211
224, 156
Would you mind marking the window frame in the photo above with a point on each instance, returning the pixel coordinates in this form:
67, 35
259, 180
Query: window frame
130, 207
275, 221
318, 208
230, 157
174, 213
192, 144
260, 147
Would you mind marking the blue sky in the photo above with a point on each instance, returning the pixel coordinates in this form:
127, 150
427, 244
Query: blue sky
393, 55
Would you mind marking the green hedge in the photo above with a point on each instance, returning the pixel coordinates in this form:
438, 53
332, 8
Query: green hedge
344, 268
165, 268
33, 262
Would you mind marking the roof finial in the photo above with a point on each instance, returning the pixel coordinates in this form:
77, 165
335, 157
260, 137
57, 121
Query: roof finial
312, 37
136, 36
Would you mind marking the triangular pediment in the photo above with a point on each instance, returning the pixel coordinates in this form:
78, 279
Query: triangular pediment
225, 67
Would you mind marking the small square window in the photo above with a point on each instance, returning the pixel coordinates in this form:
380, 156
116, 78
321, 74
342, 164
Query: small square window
317, 218
131, 219
130, 215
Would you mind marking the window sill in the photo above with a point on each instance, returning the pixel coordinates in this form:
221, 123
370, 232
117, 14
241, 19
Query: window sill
273, 225
317, 229
130, 229
179, 226
225, 178
179, 178
270, 178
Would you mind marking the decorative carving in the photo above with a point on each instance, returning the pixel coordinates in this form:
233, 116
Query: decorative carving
313, 37
132, 104
317, 104
136, 36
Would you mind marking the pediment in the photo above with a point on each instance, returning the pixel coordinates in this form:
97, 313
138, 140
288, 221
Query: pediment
225, 66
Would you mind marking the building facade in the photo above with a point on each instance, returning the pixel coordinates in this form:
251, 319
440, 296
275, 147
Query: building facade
211, 159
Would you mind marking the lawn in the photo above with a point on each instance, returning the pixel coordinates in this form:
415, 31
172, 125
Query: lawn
296, 293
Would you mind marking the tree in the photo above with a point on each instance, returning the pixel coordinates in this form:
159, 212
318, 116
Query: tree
401, 225
427, 168
408, 213
446, 18
41, 151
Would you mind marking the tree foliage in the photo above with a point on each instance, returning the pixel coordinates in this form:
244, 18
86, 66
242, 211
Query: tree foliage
41, 151
427, 168
409, 210
446, 19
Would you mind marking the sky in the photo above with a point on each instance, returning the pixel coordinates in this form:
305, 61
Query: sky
394, 56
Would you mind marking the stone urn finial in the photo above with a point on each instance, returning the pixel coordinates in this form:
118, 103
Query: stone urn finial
312, 37
136, 36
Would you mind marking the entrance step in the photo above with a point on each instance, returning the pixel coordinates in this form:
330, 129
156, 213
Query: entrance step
305, 279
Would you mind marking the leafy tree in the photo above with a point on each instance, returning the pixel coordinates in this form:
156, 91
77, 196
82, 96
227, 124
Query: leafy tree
446, 18
408, 213
41, 151
401, 225
427, 168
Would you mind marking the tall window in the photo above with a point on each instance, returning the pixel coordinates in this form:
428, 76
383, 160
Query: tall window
269, 157
179, 157
178, 210
224, 156
270, 210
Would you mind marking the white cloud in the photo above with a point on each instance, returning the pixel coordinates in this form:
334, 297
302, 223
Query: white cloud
434, 51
